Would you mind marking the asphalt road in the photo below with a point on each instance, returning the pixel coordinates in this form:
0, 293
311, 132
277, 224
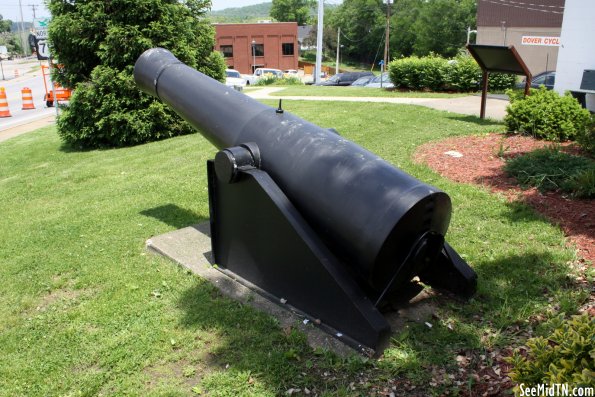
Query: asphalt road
29, 75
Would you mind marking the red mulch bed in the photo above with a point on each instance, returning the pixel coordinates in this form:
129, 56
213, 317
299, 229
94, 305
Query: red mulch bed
482, 165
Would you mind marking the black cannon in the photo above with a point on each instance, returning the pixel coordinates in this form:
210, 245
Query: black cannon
305, 216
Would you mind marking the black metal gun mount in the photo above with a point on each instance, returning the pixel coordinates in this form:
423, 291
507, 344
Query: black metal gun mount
306, 216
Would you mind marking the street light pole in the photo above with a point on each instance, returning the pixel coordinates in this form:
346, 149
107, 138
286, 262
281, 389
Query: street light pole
338, 50
319, 41
253, 56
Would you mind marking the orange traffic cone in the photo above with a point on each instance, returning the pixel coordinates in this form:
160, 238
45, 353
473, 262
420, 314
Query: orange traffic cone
4, 112
27, 98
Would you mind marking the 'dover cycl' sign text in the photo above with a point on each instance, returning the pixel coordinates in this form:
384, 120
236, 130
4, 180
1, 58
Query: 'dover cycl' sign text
541, 40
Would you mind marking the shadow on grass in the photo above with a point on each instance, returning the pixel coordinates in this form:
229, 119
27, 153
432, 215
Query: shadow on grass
512, 290
473, 119
173, 215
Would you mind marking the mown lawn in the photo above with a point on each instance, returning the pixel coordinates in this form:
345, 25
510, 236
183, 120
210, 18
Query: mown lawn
86, 311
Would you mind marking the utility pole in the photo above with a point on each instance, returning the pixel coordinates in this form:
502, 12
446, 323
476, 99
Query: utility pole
338, 50
319, 41
22, 29
386, 39
33, 8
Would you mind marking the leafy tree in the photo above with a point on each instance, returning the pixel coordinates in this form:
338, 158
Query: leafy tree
292, 11
441, 25
5, 24
7, 37
402, 34
362, 24
97, 43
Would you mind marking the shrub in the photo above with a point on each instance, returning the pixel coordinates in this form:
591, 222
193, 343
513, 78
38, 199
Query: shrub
419, 73
501, 81
272, 80
545, 114
435, 73
567, 356
463, 74
586, 138
552, 169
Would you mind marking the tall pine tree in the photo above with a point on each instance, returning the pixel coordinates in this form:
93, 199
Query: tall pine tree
97, 42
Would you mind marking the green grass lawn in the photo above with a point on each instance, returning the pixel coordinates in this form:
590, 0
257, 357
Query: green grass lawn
311, 90
86, 311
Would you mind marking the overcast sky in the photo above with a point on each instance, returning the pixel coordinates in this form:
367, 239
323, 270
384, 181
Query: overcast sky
9, 9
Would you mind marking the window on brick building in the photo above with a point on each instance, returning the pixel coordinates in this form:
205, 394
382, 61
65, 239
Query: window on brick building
227, 51
287, 48
258, 50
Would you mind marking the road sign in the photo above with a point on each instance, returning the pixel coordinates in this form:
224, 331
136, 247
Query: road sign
41, 27
43, 49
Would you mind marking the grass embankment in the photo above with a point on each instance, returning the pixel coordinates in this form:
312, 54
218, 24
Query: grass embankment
311, 90
86, 311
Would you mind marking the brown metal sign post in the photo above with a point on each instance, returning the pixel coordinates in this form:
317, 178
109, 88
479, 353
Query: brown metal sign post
500, 59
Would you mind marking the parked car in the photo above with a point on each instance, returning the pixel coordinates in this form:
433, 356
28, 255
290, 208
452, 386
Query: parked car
290, 73
260, 73
362, 81
376, 81
344, 79
234, 79
546, 78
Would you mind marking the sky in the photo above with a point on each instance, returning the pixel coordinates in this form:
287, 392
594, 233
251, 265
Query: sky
9, 9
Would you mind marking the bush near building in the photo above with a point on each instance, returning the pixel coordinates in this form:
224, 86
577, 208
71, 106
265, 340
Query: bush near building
435, 73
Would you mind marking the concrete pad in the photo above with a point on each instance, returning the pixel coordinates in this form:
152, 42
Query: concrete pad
190, 247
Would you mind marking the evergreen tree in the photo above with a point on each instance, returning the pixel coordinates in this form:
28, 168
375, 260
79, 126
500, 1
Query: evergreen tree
292, 11
97, 43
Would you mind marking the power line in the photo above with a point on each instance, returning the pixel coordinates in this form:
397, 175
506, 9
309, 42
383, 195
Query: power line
531, 4
502, 3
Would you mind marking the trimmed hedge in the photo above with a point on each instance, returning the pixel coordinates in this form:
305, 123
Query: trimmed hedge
434, 73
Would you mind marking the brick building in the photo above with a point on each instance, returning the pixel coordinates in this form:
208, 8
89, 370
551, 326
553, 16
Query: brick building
506, 22
258, 45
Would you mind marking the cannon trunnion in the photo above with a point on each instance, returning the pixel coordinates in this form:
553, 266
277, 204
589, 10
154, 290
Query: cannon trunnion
305, 216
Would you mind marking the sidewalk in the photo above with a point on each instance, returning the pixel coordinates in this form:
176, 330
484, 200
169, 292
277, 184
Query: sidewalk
470, 105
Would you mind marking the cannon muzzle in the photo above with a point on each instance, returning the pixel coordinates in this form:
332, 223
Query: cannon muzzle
372, 226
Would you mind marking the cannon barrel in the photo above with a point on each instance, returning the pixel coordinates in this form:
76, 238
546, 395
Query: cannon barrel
368, 212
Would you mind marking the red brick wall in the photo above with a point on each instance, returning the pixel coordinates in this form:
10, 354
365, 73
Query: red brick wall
272, 35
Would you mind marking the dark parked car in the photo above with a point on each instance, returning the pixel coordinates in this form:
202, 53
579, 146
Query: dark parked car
546, 78
343, 79
362, 81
